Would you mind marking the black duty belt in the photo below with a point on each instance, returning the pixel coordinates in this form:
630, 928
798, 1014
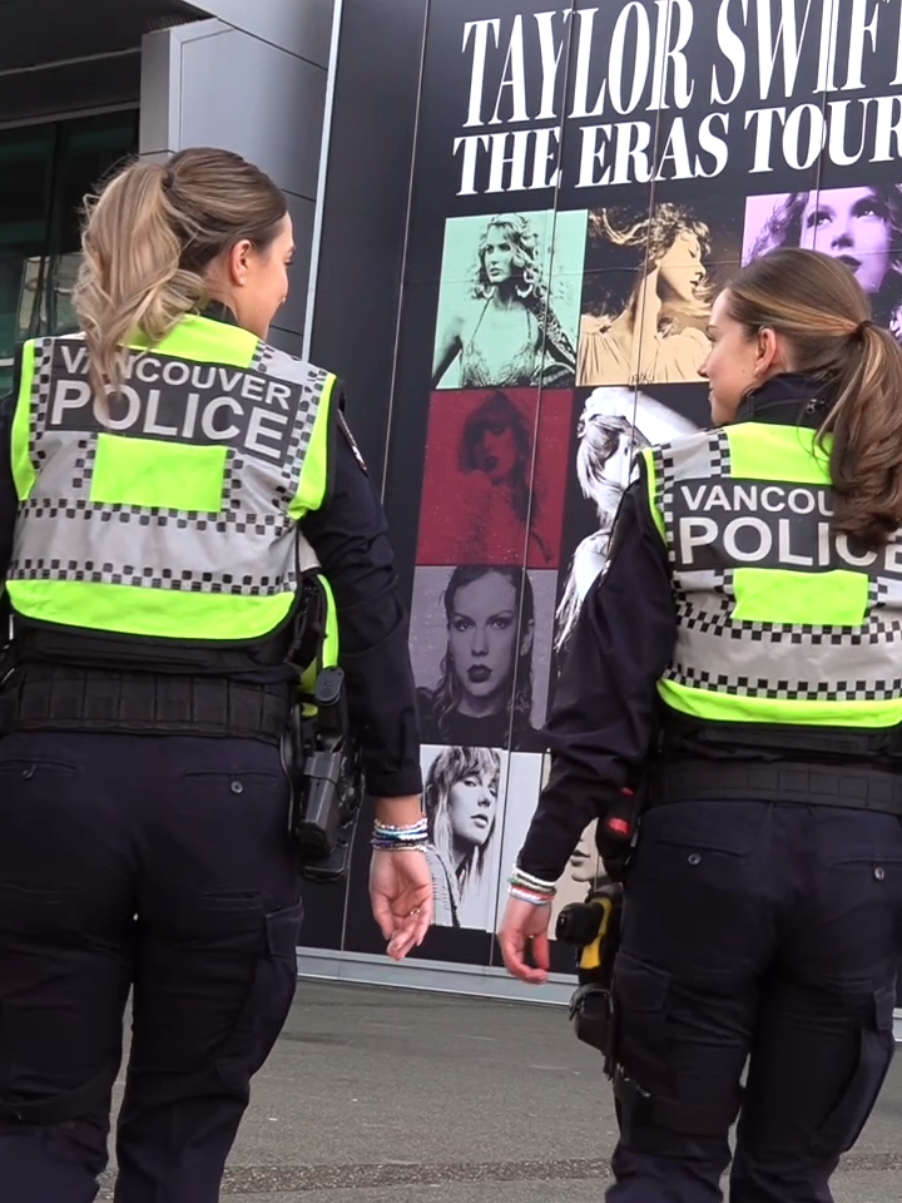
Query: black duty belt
851, 787
41, 697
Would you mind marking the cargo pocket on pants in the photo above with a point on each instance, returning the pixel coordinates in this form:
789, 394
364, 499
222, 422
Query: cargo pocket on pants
843, 1125
267, 1004
640, 1022
672, 1090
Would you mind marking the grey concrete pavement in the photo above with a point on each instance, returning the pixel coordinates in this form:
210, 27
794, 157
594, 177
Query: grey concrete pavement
390, 1096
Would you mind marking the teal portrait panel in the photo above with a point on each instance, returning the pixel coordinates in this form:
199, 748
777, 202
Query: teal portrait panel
509, 301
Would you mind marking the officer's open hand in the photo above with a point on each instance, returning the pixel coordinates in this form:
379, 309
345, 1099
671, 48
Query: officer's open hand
525, 926
401, 893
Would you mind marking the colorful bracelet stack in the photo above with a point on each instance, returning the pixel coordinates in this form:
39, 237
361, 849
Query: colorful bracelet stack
531, 889
387, 838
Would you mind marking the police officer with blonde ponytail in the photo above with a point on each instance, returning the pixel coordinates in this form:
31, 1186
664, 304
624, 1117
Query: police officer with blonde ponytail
740, 664
186, 527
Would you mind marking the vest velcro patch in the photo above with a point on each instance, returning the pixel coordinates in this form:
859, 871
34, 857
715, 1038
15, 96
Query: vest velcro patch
767, 524
177, 400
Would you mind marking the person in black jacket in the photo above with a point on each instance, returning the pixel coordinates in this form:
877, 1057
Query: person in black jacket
144, 809
739, 662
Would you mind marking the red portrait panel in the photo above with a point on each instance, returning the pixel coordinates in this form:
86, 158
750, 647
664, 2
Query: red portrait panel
495, 477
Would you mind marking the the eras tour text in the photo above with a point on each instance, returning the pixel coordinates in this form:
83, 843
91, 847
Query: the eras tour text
636, 69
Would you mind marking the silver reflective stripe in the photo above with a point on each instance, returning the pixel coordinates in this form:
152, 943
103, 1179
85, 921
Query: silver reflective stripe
247, 548
791, 663
307, 557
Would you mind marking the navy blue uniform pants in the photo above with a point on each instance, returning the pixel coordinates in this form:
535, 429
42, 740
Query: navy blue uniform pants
763, 940
160, 864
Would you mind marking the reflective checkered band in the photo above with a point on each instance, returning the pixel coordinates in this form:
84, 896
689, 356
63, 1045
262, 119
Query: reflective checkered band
40, 396
715, 616
705, 456
267, 361
247, 548
790, 690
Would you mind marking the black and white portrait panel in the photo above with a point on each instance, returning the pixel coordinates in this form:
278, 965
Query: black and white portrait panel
527, 774
481, 649
463, 791
584, 872
613, 425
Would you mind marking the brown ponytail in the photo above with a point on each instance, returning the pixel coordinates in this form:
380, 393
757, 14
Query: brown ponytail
148, 240
816, 303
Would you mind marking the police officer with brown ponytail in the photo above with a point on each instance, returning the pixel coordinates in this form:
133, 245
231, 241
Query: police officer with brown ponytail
190, 546
742, 657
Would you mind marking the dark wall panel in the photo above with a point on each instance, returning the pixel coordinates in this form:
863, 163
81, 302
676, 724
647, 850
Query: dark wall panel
368, 183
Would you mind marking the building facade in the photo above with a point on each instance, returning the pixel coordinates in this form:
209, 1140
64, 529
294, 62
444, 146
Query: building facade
511, 222
84, 85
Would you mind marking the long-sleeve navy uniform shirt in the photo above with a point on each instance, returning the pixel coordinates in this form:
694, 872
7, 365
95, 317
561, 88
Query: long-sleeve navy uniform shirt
601, 722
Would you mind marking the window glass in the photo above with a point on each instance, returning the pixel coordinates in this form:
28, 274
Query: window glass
45, 173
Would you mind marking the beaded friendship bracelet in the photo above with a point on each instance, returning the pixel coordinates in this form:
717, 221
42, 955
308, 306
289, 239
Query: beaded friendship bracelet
387, 838
531, 889
526, 896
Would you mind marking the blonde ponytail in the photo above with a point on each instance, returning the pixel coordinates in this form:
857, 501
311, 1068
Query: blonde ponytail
148, 239
130, 279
